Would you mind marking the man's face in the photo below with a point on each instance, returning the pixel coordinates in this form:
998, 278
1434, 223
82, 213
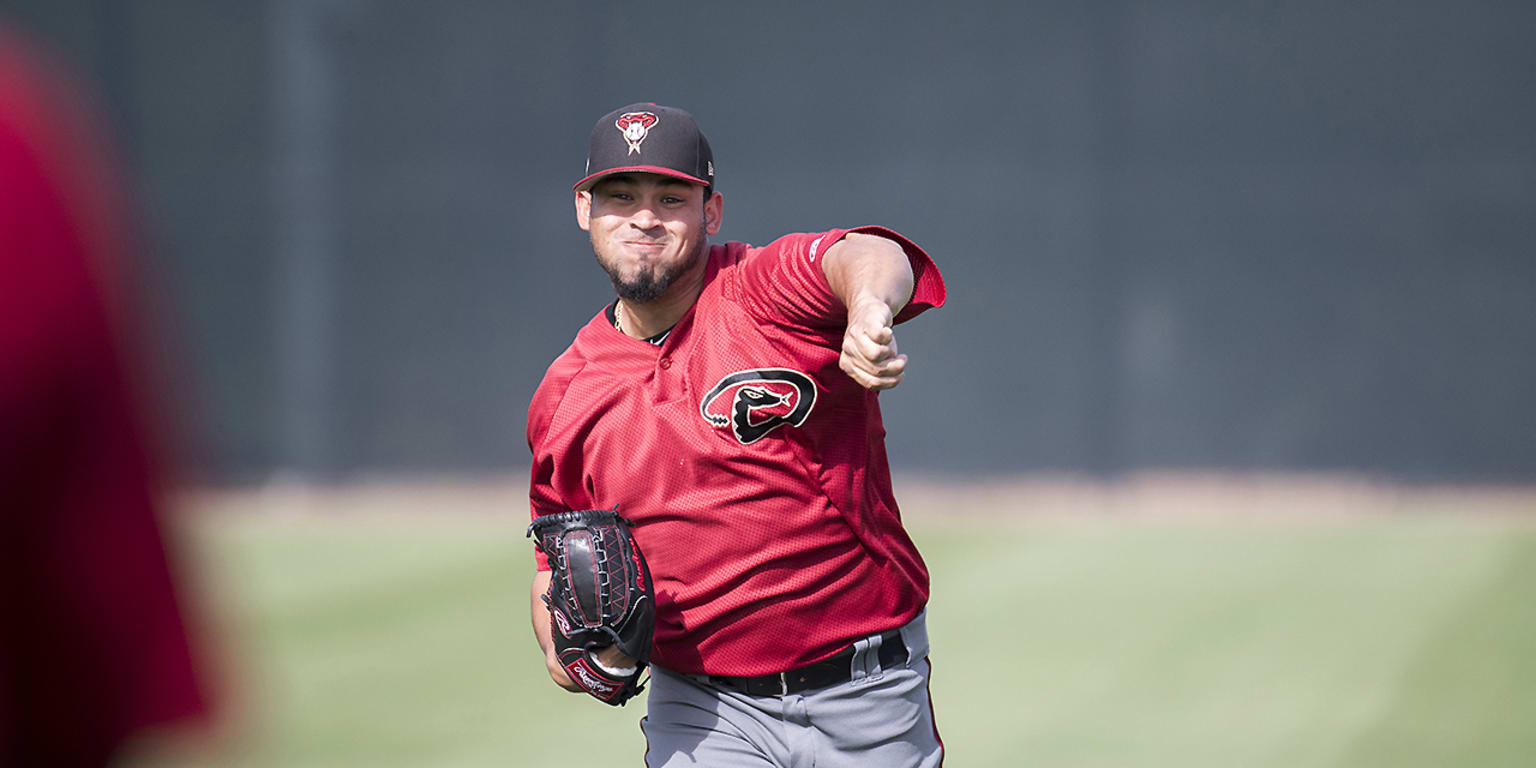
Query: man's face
647, 230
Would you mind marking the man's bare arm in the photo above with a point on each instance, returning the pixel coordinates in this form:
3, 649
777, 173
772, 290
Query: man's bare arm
541, 630
873, 278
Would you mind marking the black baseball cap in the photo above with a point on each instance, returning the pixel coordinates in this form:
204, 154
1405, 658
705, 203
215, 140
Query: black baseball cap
648, 138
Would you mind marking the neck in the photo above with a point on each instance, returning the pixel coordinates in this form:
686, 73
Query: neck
643, 321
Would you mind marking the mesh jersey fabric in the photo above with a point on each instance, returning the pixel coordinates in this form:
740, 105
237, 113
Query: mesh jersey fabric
753, 468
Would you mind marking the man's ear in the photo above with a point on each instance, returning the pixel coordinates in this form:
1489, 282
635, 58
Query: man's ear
584, 210
714, 211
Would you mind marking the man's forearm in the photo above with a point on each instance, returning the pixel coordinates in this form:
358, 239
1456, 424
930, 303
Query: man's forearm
873, 278
541, 629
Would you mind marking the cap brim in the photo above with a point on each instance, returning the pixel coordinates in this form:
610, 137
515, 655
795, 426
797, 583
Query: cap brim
587, 182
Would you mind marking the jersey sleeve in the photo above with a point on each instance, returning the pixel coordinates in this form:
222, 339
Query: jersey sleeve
543, 497
783, 281
539, 494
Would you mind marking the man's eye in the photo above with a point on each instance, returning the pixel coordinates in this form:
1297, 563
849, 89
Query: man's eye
620, 196
672, 200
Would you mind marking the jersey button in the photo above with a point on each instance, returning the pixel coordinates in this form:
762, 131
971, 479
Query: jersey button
666, 362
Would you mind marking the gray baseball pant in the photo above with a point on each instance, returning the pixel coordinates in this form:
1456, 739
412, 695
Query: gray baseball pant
880, 717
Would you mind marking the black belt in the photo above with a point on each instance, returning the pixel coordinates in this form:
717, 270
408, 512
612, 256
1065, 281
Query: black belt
838, 669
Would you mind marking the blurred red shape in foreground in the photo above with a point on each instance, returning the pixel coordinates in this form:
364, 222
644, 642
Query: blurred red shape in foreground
93, 643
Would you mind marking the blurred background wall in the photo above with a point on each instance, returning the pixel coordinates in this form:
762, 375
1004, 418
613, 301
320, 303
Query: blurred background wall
1232, 236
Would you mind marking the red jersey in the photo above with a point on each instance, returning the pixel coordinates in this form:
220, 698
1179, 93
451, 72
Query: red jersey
753, 468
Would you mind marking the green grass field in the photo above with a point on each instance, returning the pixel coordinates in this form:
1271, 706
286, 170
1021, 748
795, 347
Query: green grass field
1362, 641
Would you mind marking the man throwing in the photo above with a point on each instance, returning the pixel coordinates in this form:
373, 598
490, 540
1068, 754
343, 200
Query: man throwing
726, 404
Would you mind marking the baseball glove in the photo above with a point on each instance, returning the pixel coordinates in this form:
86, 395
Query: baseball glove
600, 594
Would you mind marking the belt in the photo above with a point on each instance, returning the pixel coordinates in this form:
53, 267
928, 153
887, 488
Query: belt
838, 669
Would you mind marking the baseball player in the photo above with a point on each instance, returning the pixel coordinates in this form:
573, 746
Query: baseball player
726, 404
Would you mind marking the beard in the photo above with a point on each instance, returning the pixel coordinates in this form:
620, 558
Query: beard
652, 281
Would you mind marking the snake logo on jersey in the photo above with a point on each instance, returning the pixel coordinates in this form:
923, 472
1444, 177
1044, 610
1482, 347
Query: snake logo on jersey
756, 402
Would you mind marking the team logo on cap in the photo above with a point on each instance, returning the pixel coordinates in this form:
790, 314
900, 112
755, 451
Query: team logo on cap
635, 126
754, 403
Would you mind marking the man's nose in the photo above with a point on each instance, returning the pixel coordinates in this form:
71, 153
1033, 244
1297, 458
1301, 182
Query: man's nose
645, 218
